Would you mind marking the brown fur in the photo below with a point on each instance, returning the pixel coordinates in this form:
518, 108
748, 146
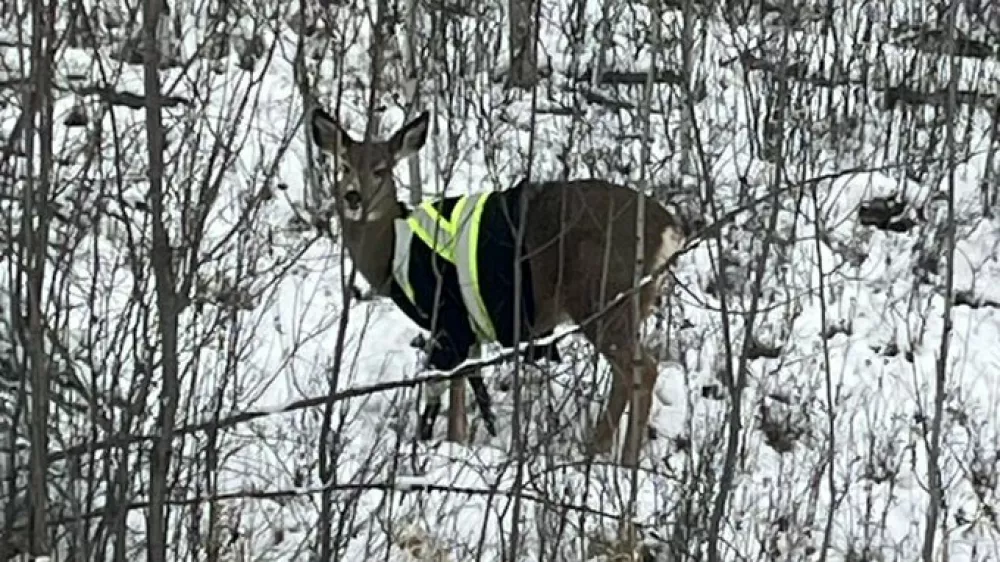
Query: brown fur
580, 241
573, 231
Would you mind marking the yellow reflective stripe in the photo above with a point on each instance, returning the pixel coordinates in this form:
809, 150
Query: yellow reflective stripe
437, 232
468, 266
477, 215
455, 227
401, 258
445, 224
457, 241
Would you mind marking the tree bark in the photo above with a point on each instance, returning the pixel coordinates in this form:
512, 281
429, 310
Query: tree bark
168, 308
522, 44
413, 94
35, 227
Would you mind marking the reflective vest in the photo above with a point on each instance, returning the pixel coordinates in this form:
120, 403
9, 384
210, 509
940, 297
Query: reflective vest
456, 240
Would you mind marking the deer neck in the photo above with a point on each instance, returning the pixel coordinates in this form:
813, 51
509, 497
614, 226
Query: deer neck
370, 245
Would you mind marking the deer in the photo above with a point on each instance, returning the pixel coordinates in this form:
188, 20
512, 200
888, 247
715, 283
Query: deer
577, 240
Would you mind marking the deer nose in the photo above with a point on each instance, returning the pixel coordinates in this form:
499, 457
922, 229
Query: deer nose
353, 199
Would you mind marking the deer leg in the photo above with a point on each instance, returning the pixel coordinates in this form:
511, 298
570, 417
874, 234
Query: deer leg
457, 420
625, 390
612, 339
484, 402
481, 394
446, 352
610, 417
617, 338
432, 408
642, 401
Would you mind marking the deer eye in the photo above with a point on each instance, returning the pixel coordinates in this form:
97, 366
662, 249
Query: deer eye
382, 172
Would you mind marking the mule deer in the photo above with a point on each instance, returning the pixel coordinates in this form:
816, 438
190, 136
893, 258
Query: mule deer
578, 245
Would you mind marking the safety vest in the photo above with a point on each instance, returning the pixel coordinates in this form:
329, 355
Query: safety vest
456, 240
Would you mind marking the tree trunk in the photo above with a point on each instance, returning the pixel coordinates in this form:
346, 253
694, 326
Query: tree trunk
413, 94
35, 227
522, 44
166, 293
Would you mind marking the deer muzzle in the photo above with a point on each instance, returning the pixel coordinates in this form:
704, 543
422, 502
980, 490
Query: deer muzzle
353, 200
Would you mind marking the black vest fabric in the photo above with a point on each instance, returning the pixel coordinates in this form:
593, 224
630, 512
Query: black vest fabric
435, 280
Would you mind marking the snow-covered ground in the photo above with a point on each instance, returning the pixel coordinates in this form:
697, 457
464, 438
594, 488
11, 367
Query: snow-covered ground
854, 312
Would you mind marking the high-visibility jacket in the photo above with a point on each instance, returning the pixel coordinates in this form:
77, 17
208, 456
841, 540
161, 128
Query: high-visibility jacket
453, 273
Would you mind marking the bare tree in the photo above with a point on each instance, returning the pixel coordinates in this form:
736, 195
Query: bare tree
523, 43
168, 307
36, 206
161, 260
934, 458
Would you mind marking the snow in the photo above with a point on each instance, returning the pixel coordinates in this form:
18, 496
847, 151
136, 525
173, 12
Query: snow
863, 343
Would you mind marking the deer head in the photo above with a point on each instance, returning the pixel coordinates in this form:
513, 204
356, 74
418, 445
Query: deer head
366, 190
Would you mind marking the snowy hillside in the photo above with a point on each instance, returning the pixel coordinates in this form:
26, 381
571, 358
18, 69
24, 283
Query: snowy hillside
851, 158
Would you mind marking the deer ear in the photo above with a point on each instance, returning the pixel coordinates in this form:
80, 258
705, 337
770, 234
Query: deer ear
410, 137
327, 133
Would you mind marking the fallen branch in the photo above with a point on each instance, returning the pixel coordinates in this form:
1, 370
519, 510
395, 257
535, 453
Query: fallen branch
935, 41
631, 78
402, 485
128, 99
